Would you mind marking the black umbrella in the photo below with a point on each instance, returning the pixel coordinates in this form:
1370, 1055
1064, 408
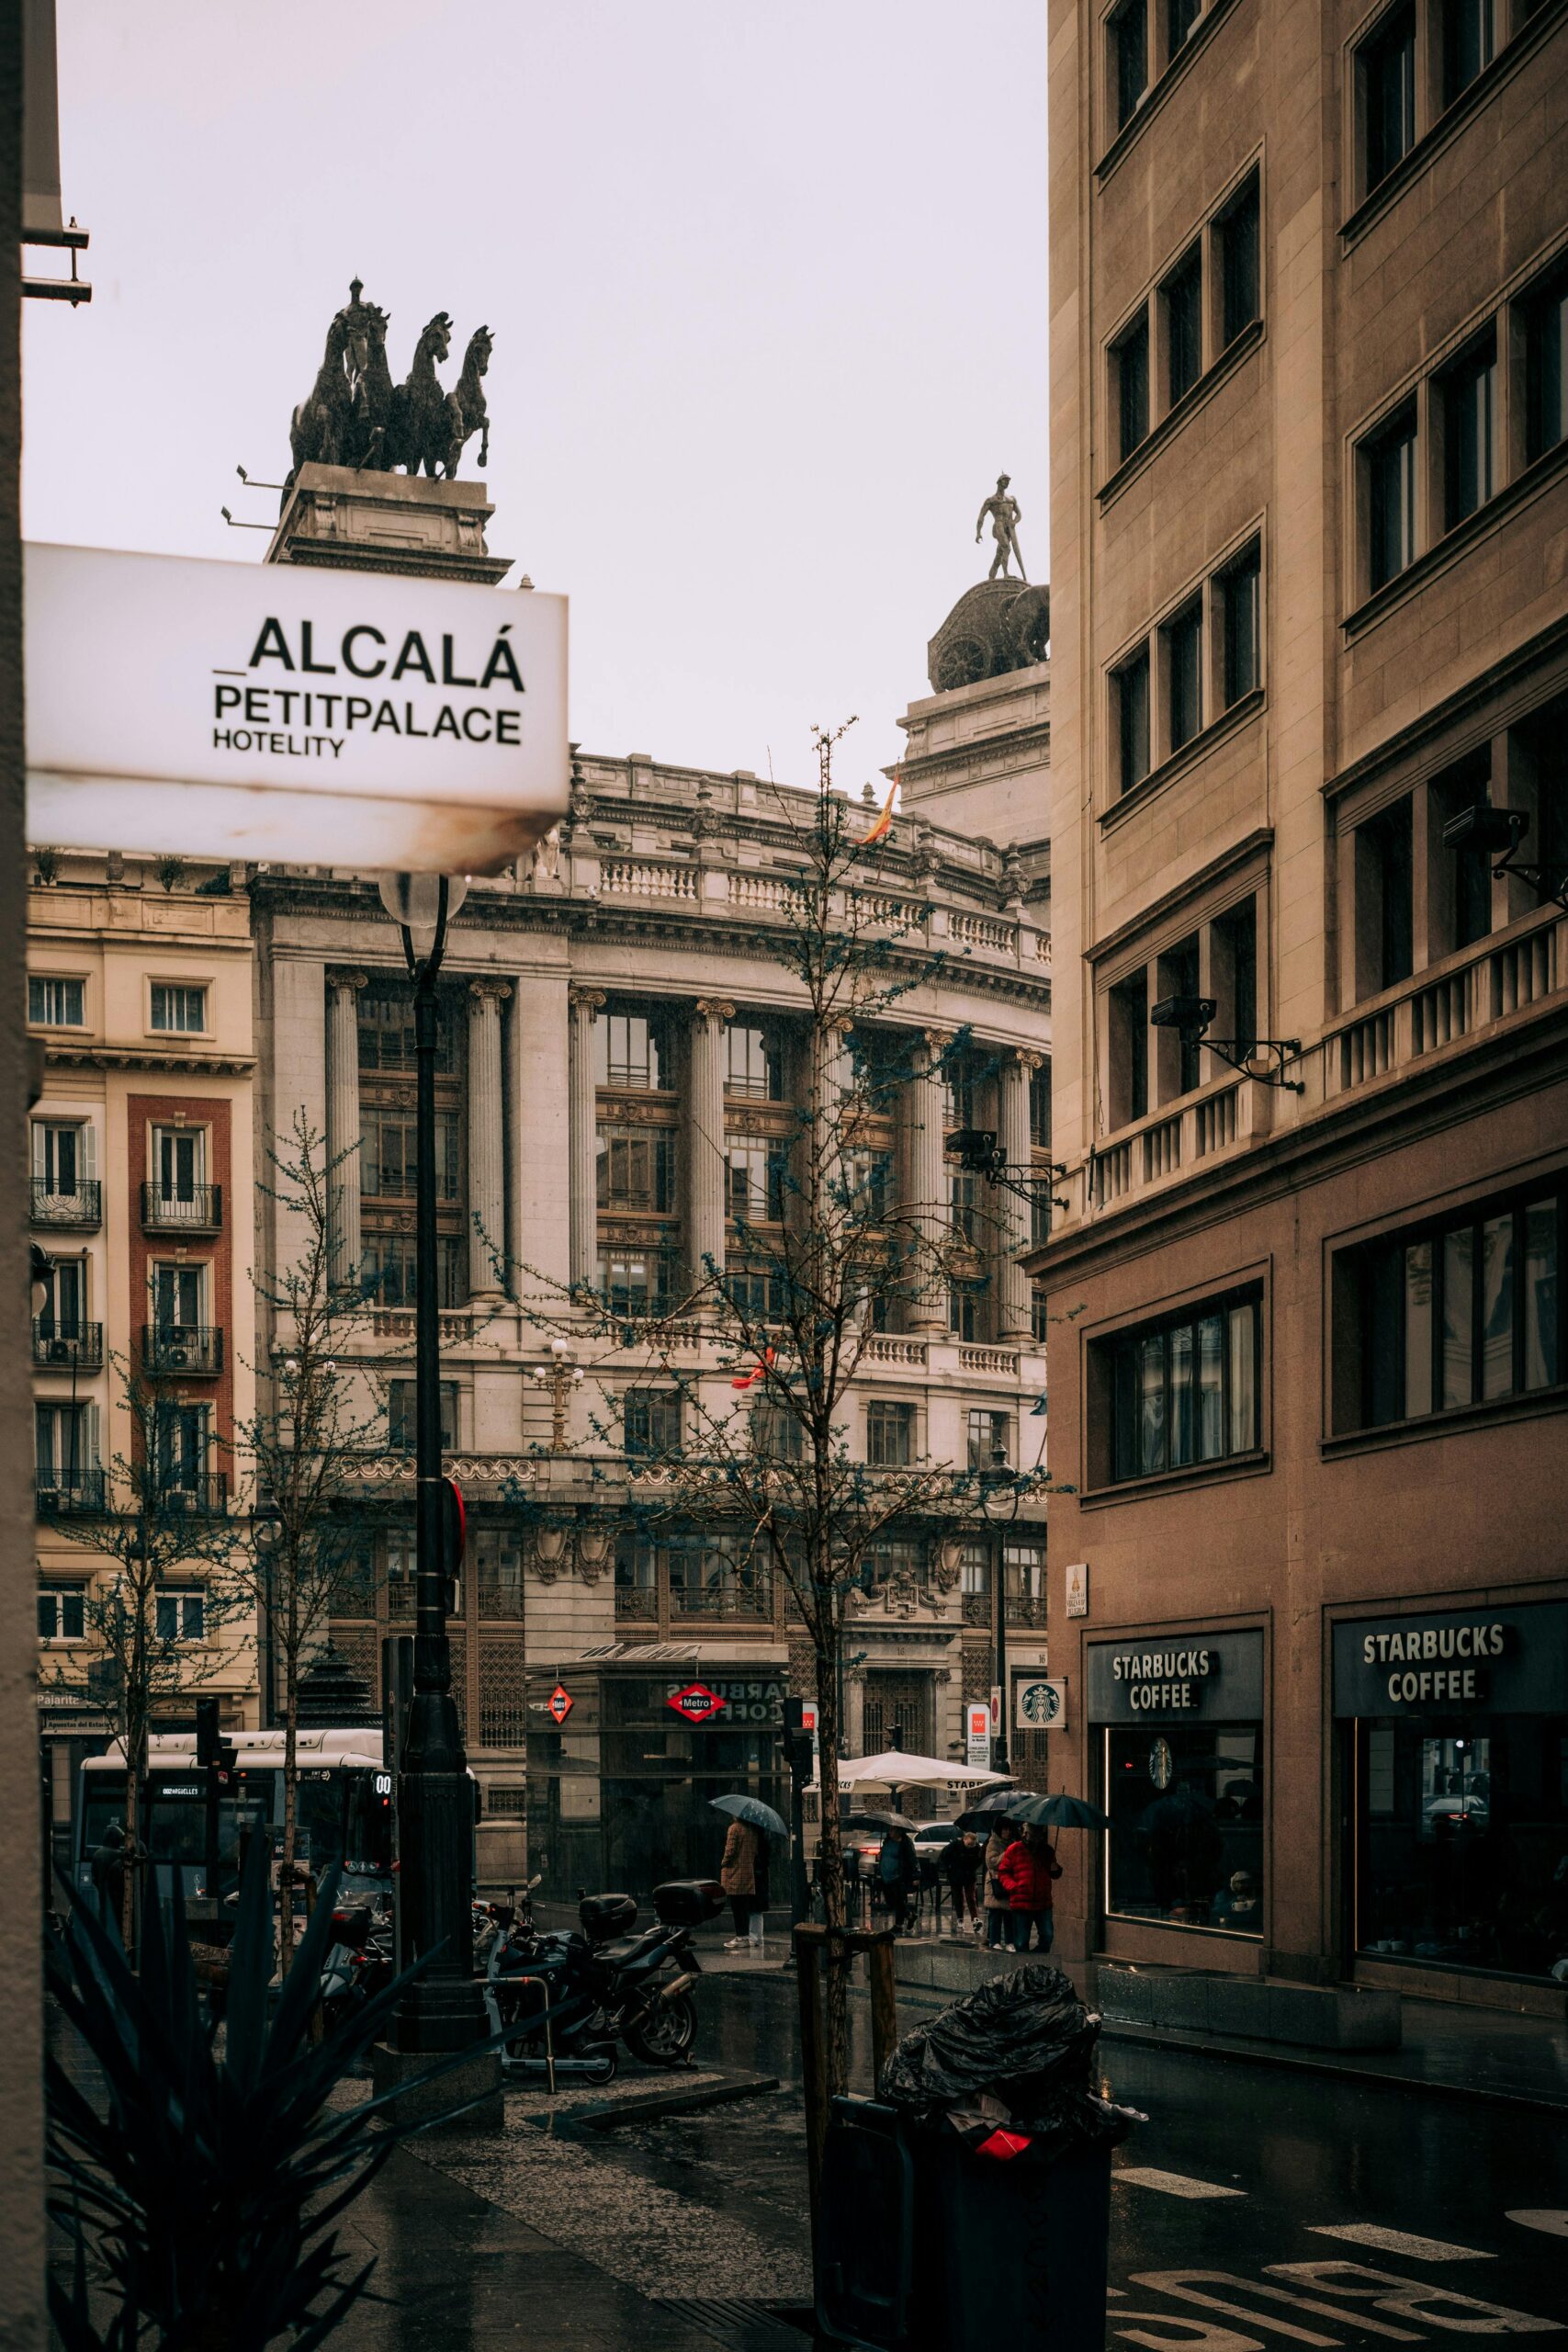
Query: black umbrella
1063, 1812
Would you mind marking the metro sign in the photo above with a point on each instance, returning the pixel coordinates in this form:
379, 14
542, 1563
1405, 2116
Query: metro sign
560, 1703
696, 1702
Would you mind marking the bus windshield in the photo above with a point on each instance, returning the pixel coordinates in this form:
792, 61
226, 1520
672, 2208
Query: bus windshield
343, 1815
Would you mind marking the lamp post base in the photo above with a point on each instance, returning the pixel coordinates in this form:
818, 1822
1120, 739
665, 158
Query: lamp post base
477, 2079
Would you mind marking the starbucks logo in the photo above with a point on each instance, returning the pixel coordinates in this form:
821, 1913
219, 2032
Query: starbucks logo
1162, 1764
1040, 1704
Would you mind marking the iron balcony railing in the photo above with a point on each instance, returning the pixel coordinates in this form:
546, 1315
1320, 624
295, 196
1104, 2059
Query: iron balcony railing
60, 1492
189, 1209
198, 1494
65, 1346
183, 1347
750, 1602
80, 1208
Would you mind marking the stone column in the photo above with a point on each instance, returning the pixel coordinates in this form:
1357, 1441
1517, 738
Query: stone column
487, 1139
582, 1174
1014, 1318
705, 1138
343, 1125
926, 1182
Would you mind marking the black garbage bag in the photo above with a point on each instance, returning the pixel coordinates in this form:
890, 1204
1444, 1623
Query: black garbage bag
1023, 2044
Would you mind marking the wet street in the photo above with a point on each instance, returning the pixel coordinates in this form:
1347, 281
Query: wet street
1256, 2207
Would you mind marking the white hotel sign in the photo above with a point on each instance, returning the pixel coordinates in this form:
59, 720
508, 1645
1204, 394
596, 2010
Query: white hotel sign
270, 711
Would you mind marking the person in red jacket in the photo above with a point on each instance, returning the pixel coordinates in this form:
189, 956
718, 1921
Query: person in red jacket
1026, 1870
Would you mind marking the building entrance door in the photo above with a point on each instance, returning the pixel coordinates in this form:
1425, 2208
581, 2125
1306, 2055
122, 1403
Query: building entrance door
897, 1711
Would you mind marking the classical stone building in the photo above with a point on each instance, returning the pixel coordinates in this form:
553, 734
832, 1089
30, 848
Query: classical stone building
1308, 505
619, 1050
139, 1198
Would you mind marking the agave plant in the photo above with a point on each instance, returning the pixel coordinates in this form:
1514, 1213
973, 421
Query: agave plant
203, 2188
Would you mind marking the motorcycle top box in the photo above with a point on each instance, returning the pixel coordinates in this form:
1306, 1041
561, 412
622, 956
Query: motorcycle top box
688, 1902
603, 1916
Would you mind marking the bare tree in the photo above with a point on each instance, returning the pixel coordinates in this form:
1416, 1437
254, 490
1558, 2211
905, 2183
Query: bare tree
835, 1257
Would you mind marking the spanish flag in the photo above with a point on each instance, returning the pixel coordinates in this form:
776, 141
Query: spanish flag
749, 1379
883, 823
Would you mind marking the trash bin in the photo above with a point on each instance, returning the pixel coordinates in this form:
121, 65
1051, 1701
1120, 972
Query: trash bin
970, 2206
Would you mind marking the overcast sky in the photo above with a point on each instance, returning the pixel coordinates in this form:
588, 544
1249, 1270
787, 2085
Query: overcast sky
767, 286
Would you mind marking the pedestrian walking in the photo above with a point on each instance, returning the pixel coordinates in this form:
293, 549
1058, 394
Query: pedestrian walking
1026, 1871
960, 1863
898, 1871
996, 1905
743, 1849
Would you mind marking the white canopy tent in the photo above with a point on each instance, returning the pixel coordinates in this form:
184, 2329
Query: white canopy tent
896, 1768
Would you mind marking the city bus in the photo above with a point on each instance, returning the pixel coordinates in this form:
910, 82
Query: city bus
344, 1805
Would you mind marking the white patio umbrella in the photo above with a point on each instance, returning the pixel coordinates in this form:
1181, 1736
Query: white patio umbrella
895, 1768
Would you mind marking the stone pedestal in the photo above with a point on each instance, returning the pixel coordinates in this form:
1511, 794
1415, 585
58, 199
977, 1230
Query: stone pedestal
337, 517
476, 2079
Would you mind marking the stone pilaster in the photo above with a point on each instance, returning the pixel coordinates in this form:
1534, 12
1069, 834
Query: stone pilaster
1014, 1320
926, 1182
487, 1138
705, 1137
343, 1125
583, 1139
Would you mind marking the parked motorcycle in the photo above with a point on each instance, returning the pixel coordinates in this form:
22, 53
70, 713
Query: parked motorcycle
603, 1982
359, 1960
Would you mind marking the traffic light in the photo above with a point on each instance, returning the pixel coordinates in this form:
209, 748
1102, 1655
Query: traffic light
212, 1750
799, 1743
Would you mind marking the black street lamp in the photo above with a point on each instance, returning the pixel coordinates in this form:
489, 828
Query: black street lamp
442, 2009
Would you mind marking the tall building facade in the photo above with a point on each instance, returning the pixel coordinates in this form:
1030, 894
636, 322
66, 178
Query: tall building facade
621, 1052
139, 1201
1308, 505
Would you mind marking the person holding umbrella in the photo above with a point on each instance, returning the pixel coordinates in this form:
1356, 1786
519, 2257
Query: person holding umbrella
743, 1870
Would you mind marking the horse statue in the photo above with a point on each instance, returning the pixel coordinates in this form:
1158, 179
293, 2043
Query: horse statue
316, 430
372, 392
419, 434
465, 412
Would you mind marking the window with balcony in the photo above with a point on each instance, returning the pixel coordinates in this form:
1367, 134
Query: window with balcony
990, 1439
1128, 1043
182, 1440
1235, 974
56, 1003
1183, 1391
755, 1293
389, 1154
636, 1169
1237, 232
179, 1009
754, 1184
61, 1612
1460, 890
1130, 700
1183, 644
63, 1334
1384, 899
651, 1421
1179, 1056
179, 1297
1386, 74
1181, 306
1460, 1311
498, 1571
968, 1212
717, 1577
1128, 35
1470, 43
179, 1614
386, 1031
869, 1177
59, 1155
402, 1416
64, 1447
889, 1434
1388, 459
636, 1283
1468, 393
390, 1270
631, 1052
753, 1063
967, 1310
1545, 319
1130, 369
1240, 592
1023, 1570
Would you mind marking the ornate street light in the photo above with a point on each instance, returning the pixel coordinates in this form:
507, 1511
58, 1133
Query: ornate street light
560, 1376
441, 2010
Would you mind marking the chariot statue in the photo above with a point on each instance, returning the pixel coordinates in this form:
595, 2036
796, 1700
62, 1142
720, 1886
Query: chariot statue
355, 415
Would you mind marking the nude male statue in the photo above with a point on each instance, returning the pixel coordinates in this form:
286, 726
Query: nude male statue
1006, 515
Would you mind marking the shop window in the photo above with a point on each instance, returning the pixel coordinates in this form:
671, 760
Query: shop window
1389, 458
1460, 1312
61, 1612
1238, 231
1181, 306
1129, 699
1470, 43
1240, 586
651, 1423
1128, 32
753, 1064
1184, 672
889, 1434
1185, 1838
1468, 391
1545, 322
636, 1169
56, 1003
1130, 370
179, 1009
1182, 1392
1386, 73
401, 1416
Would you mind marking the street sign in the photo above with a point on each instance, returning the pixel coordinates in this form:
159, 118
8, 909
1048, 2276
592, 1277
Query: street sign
560, 1703
1077, 1588
696, 1702
1040, 1704
977, 1739
275, 711
996, 1708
